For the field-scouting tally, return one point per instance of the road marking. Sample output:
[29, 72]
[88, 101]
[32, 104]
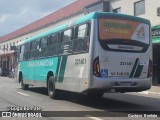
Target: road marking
[81, 72]
[148, 92]
[144, 92]
[22, 93]
[95, 118]
[154, 93]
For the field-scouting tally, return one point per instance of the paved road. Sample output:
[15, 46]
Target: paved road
[11, 95]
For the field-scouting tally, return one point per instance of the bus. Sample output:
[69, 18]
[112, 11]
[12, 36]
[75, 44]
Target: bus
[97, 53]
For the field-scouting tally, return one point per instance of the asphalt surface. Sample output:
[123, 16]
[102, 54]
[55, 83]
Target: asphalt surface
[74, 106]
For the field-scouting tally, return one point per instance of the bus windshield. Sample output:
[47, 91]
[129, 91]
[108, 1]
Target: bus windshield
[124, 32]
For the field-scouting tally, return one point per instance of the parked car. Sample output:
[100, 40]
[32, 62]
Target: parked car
[5, 72]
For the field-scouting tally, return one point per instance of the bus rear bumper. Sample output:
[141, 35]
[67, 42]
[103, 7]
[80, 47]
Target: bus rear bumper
[121, 85]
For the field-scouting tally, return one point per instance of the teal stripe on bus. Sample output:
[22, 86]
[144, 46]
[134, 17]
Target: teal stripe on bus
[38, 69]
[56, 75]
[62, 65]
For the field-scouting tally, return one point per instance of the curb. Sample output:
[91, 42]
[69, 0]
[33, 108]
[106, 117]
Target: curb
[150, 93]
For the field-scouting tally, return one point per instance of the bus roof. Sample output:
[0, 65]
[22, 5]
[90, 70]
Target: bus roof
[85, 18]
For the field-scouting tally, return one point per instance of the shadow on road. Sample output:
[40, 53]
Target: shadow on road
[109, 102]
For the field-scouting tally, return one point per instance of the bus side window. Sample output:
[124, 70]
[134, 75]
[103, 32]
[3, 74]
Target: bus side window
[44, 42]
[67, 35]
[21, 53]
[81, 43]
[26, 51]
[43, 51]
[53, 44]
[53, 39]
[33, 48]
[67, 43]
[37, 47]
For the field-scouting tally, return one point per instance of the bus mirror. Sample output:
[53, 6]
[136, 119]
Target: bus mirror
[13, 48]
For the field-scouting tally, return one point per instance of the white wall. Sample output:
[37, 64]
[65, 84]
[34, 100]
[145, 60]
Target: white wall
[151, 11]
[127, 7]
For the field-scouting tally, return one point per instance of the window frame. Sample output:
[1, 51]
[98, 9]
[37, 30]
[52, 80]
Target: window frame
[71, 34]
[21, 53]
[57, 34]
[42, 39]
[31, 45]
[140, 8]
[38, 48]
[86, 29]
[62, 42]
[27, 50]
[87, 36]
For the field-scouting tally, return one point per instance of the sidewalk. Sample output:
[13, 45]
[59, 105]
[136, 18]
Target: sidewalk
[155, 90]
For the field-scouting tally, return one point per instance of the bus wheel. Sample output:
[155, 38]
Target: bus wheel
[95, 94]
[51, 87]
[24, 86]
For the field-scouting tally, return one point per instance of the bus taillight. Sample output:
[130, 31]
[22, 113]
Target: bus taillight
[96, 67]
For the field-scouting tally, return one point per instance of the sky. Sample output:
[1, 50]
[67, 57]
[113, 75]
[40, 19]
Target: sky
[15, 14]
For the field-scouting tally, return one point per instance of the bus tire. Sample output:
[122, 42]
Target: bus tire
[24, 86]
[51, 87]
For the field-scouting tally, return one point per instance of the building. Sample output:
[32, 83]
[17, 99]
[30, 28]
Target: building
[149, 9]
[61, 16]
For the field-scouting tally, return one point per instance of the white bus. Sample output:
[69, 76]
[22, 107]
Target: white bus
[97, 53]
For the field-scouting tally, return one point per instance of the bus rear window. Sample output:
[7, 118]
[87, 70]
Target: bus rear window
[121, 29]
